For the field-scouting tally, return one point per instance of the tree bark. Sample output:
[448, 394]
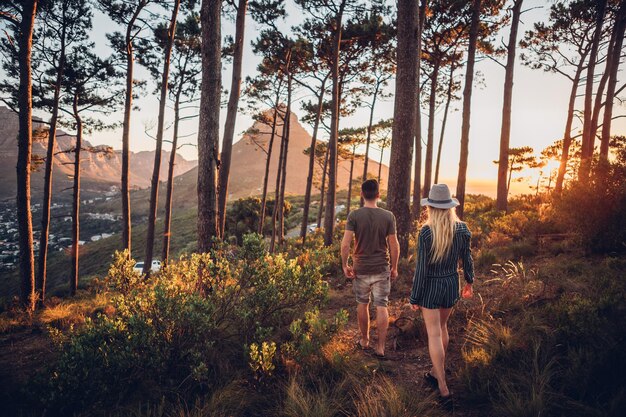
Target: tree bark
[309, 181]
[403, 130]
[369, 136]
[76, 200]
[380, 165]
[416, 207]
[508, 183]
[281, 212]
[320, 210]
[42, 261]
[128, 104]
[24, 150]
[505, 131]
[267, 170]
[231, 115]
[167, 224]
[156, 172]
[349, 200]
[208, 129]
[587, 148]
[329, 214]
[567, 134]
[279, 170]
[443, 123]
[598, 103]
[620, 28]
[467, 106]
[430, 143]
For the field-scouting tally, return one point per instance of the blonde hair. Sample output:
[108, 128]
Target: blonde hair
[442, 223]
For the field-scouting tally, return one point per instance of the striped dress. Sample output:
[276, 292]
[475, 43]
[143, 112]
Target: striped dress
[436, 285]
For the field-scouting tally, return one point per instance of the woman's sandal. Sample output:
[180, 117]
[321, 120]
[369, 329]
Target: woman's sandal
[431, 380]
[359, 346]
[446, 401]
[379, 356]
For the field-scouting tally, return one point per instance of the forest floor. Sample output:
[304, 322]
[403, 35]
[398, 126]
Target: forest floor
[26, 345]
[406, 354]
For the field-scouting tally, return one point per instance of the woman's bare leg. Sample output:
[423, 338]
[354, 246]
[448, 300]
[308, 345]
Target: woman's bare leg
[436, 350]
[444, 315]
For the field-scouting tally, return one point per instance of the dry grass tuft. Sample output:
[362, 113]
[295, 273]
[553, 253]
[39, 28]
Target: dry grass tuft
[382, 397]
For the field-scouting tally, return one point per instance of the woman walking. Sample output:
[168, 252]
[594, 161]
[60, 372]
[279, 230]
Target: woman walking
[442, 241]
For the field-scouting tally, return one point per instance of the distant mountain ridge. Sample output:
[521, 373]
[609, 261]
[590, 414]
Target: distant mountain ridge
[248, 166]
[99, 172]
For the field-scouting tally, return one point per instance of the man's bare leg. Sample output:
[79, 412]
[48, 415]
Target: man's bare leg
[363, 317]
[382, 323]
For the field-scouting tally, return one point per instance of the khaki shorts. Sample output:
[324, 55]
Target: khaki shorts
[376, 285]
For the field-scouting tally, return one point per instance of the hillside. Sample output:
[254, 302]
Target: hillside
[100, 172]
[248, 165]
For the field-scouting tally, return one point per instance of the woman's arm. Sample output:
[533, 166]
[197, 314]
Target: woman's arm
[420, 269]
[466, 256]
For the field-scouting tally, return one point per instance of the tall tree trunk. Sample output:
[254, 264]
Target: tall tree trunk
[309, 181]
[76, 200]
[349, 199]
[167, 224]
[369, 136]
[281, 213]
[24, 150]
[403, 130]
[598, 103]
[279, 170]
[416, 207]
[508, 183]
[329, 214]
[467, 106]
[432, 101]
[42, 260]
[128, 105]
[620, 28]
[380, 165]
[443, 123]
[231, 115]
[267, 170]
[567, 134]
[156, 172]
[320, 210]
[208, 129]
[505, 131]
[587, 148]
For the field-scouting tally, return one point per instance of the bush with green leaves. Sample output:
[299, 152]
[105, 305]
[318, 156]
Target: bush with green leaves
[184, 329]
[310, 334]
[243, 216]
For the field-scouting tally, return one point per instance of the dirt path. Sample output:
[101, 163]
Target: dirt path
[406, 347]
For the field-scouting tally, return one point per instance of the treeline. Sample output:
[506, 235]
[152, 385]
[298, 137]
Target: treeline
[341, 54]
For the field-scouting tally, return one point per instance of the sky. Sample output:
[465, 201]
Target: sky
[538, 117]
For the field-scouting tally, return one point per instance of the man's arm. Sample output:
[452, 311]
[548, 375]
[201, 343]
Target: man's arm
[394, 254]
[345, 253]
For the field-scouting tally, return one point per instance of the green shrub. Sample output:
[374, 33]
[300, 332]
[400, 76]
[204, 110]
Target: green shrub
[310, 334]
[520, 250]
[596, 210]
[485, 259]
[185, 329]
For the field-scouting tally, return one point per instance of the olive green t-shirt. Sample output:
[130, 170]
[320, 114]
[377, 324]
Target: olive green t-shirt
[371, 226]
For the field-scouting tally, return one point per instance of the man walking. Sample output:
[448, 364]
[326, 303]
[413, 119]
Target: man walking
[376, 247]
